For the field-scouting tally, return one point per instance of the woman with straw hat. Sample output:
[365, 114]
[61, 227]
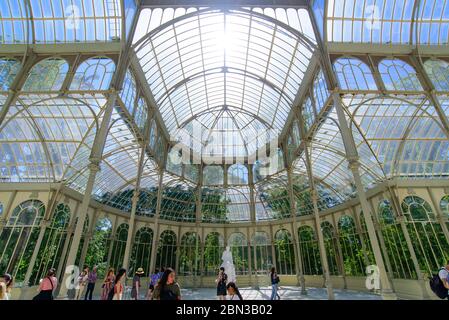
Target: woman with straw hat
[136, 284]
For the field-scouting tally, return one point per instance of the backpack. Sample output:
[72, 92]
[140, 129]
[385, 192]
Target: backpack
[438, 287]
[277, 279]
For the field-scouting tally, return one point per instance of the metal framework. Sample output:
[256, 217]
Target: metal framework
[153, 112]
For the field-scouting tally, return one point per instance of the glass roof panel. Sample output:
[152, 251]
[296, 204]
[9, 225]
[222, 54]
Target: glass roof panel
[62, 21]
[388, 21]
[230, 59]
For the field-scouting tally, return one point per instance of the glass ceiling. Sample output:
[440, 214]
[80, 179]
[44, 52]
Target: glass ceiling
[224, 82]
[215, 71]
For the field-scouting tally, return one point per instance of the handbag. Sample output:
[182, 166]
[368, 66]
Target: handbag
[45, 294]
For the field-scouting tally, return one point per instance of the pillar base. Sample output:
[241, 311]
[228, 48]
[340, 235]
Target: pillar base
[388, 295]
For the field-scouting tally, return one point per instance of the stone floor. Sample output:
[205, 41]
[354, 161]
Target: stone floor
[286, 293]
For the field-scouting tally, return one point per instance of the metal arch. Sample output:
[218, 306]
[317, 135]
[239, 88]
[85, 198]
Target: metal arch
[224, 70]
[412, 122]
[209, 110]
[304, 39]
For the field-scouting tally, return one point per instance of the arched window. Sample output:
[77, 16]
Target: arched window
[429, 242]
[351, 247]
[129, 92]
[237, 174]
[94, 74]
[178, 202]
[213, 249]
[98, 249]
[19, 236]
[166, 250]
[119, 245]
[214, 205]
[310, 252]
[308, 114]
[8, 71]
[444, 205]
[262, 254]
[239, 248]
[320, 92]
[354, 74]
[47, 75]
[395, 243]
[285, 254]
[213, 175]
[331, 245]
[438, 72]
[50, 251]
[141, 251]
[399, 75]
[190, 255]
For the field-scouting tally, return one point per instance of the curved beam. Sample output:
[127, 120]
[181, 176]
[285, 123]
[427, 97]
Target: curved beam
[304, 39]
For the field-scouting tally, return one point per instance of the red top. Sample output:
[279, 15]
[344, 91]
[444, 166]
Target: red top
[47, 285]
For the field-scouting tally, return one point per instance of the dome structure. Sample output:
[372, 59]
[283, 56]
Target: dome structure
[311, 136]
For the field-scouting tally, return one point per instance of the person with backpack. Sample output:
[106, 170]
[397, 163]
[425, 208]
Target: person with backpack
[442, 286]
[154, 278]
[167, 288]
[274, 278]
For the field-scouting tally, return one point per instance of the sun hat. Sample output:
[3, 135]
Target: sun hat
[140, 271]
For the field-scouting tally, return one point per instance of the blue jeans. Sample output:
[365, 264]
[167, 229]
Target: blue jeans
[274, 292]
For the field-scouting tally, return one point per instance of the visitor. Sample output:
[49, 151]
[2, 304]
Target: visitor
[154, 278]
[8, 281]
[444, 276]
[136, 284]
[221, 284]
[47, 286]
[233, 292]
[3, 295]
[118, 289]
[107, 284]
[91, 280]
[274, 278]
[82, 282]
[167, 288]
[161, 273]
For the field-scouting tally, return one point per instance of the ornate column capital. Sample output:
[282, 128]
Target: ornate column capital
[353, 163]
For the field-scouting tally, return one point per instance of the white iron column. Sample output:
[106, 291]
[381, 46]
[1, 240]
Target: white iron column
[354, 166]
[135, 199]
[94, 167]
[297, 247]
[155, 242]
[317, 220]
